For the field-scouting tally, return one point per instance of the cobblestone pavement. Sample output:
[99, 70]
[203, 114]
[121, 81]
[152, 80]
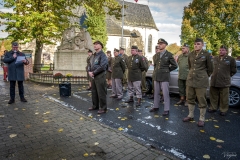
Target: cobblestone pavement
[44, 129]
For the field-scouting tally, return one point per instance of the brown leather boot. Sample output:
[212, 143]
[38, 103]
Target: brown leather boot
[138, 103]
[181, 102]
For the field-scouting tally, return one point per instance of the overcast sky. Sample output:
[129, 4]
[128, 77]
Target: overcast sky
[166, 13]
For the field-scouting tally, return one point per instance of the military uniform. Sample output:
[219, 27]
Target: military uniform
[118, 69]
[164, 63]
[135, 66]
[224, 69]
[182, 75]
[200, 69]
[125, 75]
[143, 82]
[109, 69]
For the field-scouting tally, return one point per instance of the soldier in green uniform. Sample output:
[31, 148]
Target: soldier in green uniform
[183, 73]
[152, 96]
[135, 66]
[143, 82]
[125, 57]
[118, 68]
[224, 69]
[88, 63]
[200, 69]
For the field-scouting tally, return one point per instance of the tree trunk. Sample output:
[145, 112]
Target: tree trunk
[37, 58]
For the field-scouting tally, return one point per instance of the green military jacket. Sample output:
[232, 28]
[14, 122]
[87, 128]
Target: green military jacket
[163, 66]
[125, 58]
[135, 66]
[200, 69]
[145, 60]
[183, 68]
[118, 67]
[223, 71]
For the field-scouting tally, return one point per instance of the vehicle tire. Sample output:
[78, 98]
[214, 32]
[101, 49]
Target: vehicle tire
[149, 85]
[234, 97]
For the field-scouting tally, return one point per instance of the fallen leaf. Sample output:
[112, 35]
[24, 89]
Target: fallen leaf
[117, 109]
[27, 126]
[94, 130]
[119, 117]
[9, 127]
[120, 129]
[219, 141]
[1, 116]
[122, 119]
[60, 130]
[37, 101]
[99, 115]
[45, 121]
[234, 112]
[206, 120]
[85, 154]
[81, 118]
[129, 126]
[215, 120]
[212, 138]
[71, 121]
[92, 154]
[166, 118]
[156, 116]
[12, 135]
[202, 131]
[90, 116]
[96, 143]
[36, 113]
[15, 109]
[176, 105]
[216, 126]
[23, 109]
[47, 112]
[227, 120]
[206, 156]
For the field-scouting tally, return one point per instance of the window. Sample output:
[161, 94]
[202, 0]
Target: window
[122, 43]
[150, 43]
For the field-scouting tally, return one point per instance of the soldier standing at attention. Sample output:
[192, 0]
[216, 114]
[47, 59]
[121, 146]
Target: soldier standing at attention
[97, 70]
[164, 63]
[88, 63]
[183, 73]
[125, 75]
[118, 68]
[109, 70]
[135, 66]
[200, 69]
[143, 82]
[224, 69]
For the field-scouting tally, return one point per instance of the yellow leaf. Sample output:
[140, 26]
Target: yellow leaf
[119, 117]
[129, 126]
[202, 131]
[37, 101]
[123, 119]
[212, 138]
[12, 135]
[47, 112]
[60, 130]
[92, 154]
[216, 126]
[71, 121]
[90, 116]
[120, 129]
[206, 120]
[219, 141]
[117, 109]
[45, 121]
[166, 118]
[36, 113]
[81, 118]
[156, 116]
[23, 109]
[1, 116]
[215, 120]
[96, 143]
[206, 156]
[85, 155]
[94, 130]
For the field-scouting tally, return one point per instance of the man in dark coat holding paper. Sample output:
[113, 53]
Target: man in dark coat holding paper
[16, 61]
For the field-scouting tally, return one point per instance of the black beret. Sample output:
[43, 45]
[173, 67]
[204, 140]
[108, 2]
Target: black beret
[161, 40]
[185, 45]
[198, 40]
[134, 47]
[14, 44]
[98, 42]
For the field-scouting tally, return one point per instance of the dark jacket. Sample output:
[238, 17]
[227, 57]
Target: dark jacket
[200, 69]
[98, 63]
[125, 58]
[118, 67]
[135, 65]
[145, 60]
[15, 70]
[88, 62]
[110, 59]
[223, 71]
[163, 66]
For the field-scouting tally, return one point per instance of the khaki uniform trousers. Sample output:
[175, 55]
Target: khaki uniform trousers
[220, 95]
[144, 87]
[182, 87]
[99, 91]
[165, 89]
[134, 87]
[200, 94]
[117, 89]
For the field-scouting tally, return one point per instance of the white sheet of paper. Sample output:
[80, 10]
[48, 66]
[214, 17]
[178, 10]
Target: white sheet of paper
[20, 59]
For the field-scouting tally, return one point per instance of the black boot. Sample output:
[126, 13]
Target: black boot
[129, 100]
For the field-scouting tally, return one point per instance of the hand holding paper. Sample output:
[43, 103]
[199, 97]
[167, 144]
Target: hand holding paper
[20, 59]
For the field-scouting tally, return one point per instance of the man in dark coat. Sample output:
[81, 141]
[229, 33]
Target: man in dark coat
[97, 70]
[16, 61]
[224, 69]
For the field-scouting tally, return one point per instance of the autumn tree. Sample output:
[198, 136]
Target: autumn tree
[173, 48]
[45, 20]
[217, 22]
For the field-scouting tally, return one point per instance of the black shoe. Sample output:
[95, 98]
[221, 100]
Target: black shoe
[23, 100]
[129, 100]
[153, 109]
[11, 101]
[212, 110]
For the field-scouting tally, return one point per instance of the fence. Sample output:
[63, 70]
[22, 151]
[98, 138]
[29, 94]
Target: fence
[44, 68]
[48, 78]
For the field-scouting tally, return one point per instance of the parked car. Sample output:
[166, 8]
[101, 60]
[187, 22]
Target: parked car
[234, 91]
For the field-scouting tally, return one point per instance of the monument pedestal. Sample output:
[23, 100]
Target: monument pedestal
[70, 61]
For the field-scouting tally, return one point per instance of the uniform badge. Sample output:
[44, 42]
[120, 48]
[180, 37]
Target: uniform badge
[136, 61]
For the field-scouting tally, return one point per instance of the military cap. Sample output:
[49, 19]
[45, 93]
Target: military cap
[225, 47]
[121, 48]
[109, 52]
[98, 42]
[198, 40]
[116, 50]
[185, 45]
[89, 51]
[134, 47]
[15, 44]
[161, 40]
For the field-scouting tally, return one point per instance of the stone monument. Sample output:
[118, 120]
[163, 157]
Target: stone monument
[71, 55]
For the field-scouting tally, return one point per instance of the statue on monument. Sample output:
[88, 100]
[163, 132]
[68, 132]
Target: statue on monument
[76, 39]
